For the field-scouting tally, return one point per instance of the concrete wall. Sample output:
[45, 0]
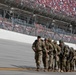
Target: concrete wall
[14, 36]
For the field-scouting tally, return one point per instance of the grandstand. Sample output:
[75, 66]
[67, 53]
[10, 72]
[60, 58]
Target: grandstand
[48, 18]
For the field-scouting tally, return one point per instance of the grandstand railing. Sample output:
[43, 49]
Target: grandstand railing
[34, 30]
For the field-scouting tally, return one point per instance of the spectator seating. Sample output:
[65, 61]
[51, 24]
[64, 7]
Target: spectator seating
[67, 7]
[64, 6]
[35, 30]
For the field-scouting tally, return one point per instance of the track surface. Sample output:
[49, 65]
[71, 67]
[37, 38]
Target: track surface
[18, 59]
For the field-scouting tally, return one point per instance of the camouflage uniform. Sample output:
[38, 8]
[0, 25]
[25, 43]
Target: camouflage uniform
[56, 53]
[75, 58]
[51, 48]
[45, 54]
[71, 59]
[37, 46]
[61, 55]
[65, 56]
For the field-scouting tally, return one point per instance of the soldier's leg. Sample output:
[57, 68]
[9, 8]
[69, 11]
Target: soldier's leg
[44, 60]
[75, 63]
[43, 57]
[72, 65]
[50, 62]
[61, 65]
[67, 66]
[36, 59]
[58, 62]
[47, 61]
[39, 58]
[54, 63]
[64, 65]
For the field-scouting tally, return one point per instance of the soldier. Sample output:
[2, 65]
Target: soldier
[71, 59]
[75, 57]
[51, 48]
[61, 44]
[45, 54]
[56, 53]
[37, 47]
[65, 56]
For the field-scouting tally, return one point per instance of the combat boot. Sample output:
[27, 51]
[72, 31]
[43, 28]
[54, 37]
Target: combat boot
[37, 69]
[45, 70]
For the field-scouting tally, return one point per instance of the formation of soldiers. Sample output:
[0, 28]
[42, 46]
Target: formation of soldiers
[55, 57]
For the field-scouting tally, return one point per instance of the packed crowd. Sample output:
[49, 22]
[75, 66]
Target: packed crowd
[36, 29]
[66, 7]
[55, 57]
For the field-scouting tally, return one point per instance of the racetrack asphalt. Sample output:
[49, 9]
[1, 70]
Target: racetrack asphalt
[18, 59]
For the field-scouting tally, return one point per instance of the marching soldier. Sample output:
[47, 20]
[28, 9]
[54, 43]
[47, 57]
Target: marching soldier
[61, 44]
[56, 53]
[75, 58]
[37, 47]
[51, 48]
[71, 59]
[54, 56]
[65, 56]
[45, 54]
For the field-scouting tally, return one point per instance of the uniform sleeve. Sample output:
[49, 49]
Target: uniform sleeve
[51, 47]
[34, 45]
[44, 47]
[58, 48]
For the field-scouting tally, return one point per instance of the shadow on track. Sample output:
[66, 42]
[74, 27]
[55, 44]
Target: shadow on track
[27, 67]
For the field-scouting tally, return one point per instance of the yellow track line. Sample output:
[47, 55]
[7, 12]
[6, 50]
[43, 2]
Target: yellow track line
[16, 69]
[12, 69]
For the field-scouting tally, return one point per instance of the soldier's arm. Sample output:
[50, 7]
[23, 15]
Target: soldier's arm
[51, 47]
[34, 46]
[59, 49]
[44, 47]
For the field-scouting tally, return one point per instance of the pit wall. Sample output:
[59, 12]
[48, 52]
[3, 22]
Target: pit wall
[14, 36]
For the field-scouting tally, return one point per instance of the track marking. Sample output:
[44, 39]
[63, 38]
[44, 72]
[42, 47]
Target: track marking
[12, 69]
[20, 69]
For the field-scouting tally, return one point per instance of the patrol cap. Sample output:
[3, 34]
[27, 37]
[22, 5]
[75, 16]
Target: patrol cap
[60, 41]
[49, 39]
[45, 39]
[38, 36]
